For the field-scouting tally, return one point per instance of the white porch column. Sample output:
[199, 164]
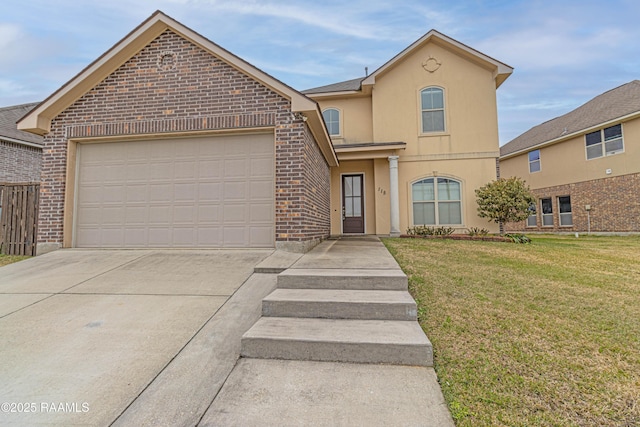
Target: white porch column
[393, 196]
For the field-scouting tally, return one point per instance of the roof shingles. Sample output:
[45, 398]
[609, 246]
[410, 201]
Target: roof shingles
[8, 118]
[348, 85]
[613, 104]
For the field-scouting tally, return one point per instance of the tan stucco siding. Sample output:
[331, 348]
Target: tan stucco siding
[471, 173]
[355, 119]
[566, 162]
[470, 104]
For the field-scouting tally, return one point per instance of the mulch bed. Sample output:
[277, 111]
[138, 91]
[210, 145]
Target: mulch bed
[460, 237]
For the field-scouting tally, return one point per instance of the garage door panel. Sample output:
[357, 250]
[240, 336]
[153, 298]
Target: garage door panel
[260, 236]
[209, 214]
[186, 169]
[134, 237]
[235, 236]
[210, 169]
[183, 236]
[198, 192]
[160, 193]
[260, 213]
[184, 215]
[210, 191]
[235, 190]
[209, 234]
[235, 214]
[261, 167]
[135, 193]
[235, 168]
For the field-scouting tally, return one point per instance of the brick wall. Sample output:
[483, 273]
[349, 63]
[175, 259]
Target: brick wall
[173, 85]
[19, 163]
[614, 202]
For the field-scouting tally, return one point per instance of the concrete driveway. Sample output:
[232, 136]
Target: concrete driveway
[130, 337]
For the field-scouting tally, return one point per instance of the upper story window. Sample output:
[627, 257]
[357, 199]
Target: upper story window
[534, 161]
[436, 201]
[432, 107]
[604, 142]
[332, 119]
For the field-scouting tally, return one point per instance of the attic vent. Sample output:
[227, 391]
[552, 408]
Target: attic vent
[167, 60]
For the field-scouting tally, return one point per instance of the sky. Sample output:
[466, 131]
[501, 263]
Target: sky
[564, 52]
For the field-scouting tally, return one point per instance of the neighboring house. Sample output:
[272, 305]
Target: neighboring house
[20, 152]
[584, 166]
[414, 139]
[168, 140]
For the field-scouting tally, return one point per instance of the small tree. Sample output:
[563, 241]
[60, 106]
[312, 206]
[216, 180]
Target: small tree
[504, 200]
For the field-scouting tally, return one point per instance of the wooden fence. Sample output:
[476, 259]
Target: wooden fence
[19, 218]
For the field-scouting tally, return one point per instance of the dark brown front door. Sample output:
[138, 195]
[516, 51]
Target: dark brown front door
[352, 204]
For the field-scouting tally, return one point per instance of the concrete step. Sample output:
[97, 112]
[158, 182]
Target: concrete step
[298, 278]
[338, 340]
[340, 304]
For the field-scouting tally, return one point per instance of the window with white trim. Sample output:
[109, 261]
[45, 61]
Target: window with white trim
[437, 201]
[547, 212]
[432, 108]
[604, 142]
[534, 161]
[564, 207]
[332, 119]
[532, 220]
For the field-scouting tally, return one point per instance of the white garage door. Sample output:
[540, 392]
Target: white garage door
[192, 192]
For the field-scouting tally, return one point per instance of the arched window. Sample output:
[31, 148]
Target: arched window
[437, 201]
[432, 105]
[332, 119]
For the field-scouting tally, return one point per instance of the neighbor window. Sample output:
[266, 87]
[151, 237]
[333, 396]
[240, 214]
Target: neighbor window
[534, 161]
[547, 212]
[432, 105]
[332, 119]
[604, 142]
[532, 220]
[436, 201]
[564, 207]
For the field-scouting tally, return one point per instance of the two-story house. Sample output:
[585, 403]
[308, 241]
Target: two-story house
[169, 140]
[583, 166]
[414, 139]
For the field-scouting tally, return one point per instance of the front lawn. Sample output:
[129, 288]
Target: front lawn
[540, 334]
[9, 259]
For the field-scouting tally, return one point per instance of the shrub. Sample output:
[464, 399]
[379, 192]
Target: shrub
[476, 231]
[518, 238]
[424, 230]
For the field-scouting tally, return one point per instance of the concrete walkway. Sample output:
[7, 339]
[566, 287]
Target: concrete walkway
[270, 392]
[152, 338]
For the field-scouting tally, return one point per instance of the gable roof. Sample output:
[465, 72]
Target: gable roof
[39, 119]
[8, 129]
[613, 105]
[501, 71]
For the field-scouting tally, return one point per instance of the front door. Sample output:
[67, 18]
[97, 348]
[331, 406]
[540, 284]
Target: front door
[352, 204]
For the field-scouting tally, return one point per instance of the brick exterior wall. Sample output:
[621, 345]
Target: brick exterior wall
[615, 206]
[173, 85]
[19, 163]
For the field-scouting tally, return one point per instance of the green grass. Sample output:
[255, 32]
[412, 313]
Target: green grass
[9, 259]
[545, 334]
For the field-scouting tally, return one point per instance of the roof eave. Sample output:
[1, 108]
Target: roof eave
[21, 142]
[334, 94]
